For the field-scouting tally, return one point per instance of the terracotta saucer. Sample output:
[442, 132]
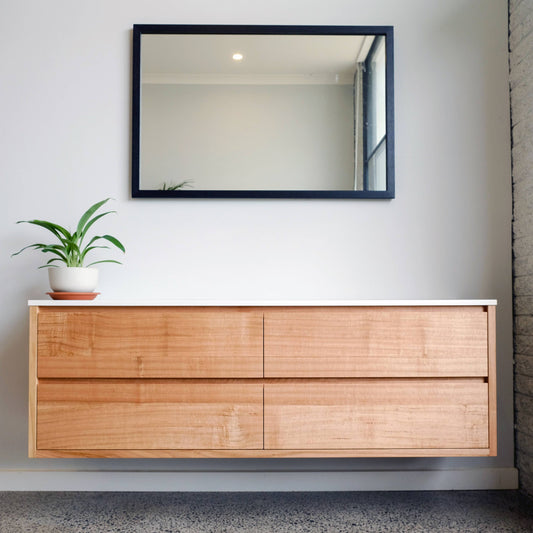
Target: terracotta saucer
[73, 295]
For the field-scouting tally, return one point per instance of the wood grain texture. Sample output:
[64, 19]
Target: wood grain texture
[148, 414]
[126, 342]
[377, 414]
[493, 407]
[376, 342]
[32, 384]
[431, 390]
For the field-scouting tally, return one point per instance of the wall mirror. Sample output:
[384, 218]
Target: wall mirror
[262, 111]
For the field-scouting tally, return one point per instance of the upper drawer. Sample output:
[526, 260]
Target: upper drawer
[376, 342]
[164, 342]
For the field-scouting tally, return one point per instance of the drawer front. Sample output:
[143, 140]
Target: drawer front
[376, 414]
[122, 342]
[148, 414]
[376, 342]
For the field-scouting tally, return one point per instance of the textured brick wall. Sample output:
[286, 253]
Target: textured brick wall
[521, 80]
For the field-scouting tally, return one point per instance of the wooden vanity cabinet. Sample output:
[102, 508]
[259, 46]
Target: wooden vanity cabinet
[255, 381]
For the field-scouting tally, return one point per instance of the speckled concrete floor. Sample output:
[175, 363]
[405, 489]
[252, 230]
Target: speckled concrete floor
[461, 511]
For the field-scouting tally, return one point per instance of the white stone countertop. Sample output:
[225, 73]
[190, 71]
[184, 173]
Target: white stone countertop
[254, 303]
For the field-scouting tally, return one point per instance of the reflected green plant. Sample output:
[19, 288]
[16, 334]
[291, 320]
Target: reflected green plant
[174, 187]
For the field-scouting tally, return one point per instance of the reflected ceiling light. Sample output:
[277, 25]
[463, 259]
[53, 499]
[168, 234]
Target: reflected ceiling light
[237, 56]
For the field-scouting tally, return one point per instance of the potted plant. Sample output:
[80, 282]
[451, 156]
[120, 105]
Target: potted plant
[67, 270]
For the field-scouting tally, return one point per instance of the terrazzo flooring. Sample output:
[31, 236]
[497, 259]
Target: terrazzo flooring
[132, 512]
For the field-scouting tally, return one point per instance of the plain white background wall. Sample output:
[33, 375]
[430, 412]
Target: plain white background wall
[65, 77]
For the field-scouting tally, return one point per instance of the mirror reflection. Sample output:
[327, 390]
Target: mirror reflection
[248, 112]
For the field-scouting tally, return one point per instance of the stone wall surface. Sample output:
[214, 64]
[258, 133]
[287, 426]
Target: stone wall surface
[521, 86]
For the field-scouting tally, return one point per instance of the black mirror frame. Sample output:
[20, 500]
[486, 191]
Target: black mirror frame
[140, 29]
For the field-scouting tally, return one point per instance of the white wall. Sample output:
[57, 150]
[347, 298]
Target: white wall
[248, 136]
[65, 75]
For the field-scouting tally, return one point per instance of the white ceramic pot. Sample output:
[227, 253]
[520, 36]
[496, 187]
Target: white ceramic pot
[73, 279]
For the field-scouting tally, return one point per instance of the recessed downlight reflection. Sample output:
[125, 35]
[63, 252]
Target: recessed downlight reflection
[237, 56]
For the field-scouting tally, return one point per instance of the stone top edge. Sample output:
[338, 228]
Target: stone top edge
[253, 303]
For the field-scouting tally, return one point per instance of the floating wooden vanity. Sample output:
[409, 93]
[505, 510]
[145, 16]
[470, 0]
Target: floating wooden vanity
[256, 379]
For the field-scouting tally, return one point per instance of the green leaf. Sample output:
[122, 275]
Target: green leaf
[87, 249]
[52, 260]
[110, 238]
[37, 246]
[56, 229]
[115, 241]
[105, 261]
[52, 248]
[91, 222]
[55, 251]
[49, 263]
[88, 214]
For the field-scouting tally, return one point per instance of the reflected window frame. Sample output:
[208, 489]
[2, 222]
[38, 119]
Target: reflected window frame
[163, 29]
[374, 147]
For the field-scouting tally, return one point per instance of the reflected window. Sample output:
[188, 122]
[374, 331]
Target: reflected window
[374, 101]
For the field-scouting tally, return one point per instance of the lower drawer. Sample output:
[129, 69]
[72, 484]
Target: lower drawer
[377, 414]
[148, 414]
